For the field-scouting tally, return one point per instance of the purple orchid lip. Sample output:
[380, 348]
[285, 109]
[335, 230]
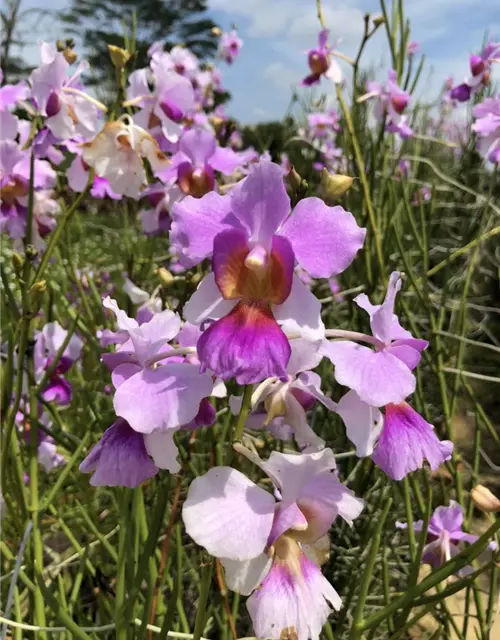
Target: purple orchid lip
[54, 104]
[195, 182]
[172, 111]
[318, 62]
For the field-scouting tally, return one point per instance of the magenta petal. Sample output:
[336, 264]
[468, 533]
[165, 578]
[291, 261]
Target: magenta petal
[196, 222]
[59, 391]
[260, 201]
[406, 441]
[247, 344]
[119, 458]
[324, 239]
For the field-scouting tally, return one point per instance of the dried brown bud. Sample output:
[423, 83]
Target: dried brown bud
[484, 499]
[216, 31]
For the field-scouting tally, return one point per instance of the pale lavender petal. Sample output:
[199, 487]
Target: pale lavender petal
[198, 145]
[123, 372]
[164, 398]
[196, 222]
[296, 417]
[207, 302]
[324, 239]
[305, 355]
[406, 441]
[119, 459]
[292, 471]
[225, 160]
[381, 320]
[228, 514]
[310, 383]
[123, 322]
[408, 351]
[378, 378]
[244, 576]
[260, 202]
[449, 518]
[161, 447]
[363, 423]
[301, 312]
[324, 498]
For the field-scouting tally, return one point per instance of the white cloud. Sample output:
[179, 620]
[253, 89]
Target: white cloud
[281, 75]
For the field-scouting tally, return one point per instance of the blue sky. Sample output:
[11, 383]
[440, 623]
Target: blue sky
[277, 34]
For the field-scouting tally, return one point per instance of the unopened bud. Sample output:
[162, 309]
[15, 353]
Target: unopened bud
[17, 262]
[378, 21]
[484, 499]
[294, 179]
[60, 45]
[165, 277]
[31, 252]
[217, 123]
[334, 185]
[216, 31]
[119, 57]
[70, 56]
[196, 278]
[38, 287]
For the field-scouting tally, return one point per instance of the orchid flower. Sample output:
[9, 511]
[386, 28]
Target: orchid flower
[254, 243]
[480, 66]
[163, 109]
[383, 375]
[399, 440]
[10, 96]
[230, 46]
[443, 534]
[284, 404]
[321, 63]
[156, 219]
[116, 154]
[68, 110]
[269, 547]
[152, 397]
[198, 158]
[48, 342]
[391, 104]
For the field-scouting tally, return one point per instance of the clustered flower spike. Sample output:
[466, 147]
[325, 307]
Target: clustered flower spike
[391, 103]
[444, 533]
[252, 319]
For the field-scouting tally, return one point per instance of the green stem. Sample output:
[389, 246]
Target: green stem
[364, 182]
[358, 624]
[244, 411]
